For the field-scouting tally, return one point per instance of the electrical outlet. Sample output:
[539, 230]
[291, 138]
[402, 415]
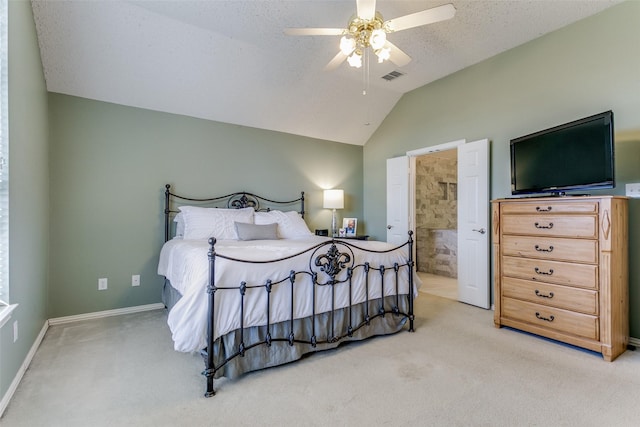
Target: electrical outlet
[102, 284]
[135, 280]
[632, 190]
[15, 331]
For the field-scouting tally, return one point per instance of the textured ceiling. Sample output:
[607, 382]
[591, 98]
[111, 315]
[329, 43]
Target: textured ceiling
[229, 61]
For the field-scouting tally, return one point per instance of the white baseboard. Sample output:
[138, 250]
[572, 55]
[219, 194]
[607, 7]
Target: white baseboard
[634, 341]
[59, 321]
[107, 313]
[23, 368]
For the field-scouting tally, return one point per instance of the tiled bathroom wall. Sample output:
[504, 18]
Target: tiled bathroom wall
[436, 215]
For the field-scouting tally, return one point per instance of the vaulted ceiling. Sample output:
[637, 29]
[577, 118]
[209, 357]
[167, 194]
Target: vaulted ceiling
[229, 61]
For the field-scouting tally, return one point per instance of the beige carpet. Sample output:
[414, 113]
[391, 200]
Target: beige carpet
[455, 370]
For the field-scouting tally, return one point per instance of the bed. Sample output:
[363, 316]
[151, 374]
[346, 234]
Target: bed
[249, 286]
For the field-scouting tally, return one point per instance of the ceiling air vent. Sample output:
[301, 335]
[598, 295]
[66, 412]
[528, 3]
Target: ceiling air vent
[392, 75]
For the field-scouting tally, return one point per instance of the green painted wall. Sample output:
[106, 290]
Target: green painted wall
[583, 69]
[29, 192]
[109, 165]
[86, 199]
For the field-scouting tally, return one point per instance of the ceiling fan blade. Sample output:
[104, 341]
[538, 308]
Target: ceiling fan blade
[429, 16]
[314, 31]
[366, 9]
[335, 62]
[396, 55]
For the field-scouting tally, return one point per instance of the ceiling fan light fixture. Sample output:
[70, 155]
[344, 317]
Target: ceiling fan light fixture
[383, 54]
[355, 60]
[347, 45]
[368, 29]
[378, 39]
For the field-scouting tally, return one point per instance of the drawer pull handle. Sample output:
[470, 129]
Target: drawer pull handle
[546, 273]
[550, 226]
[541, 295]
[546, 319]
[539, 249]
[547, 209]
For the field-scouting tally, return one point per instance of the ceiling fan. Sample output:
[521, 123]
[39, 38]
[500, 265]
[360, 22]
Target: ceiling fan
[369, 29]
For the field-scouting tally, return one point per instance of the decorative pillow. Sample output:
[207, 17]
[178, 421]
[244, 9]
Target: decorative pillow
[290, 224]
[203, 223]
[257, 231]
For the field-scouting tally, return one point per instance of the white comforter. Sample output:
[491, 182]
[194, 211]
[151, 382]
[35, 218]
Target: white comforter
[185, 264]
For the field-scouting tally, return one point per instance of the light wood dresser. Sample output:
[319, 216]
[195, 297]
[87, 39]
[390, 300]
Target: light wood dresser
[561, 269]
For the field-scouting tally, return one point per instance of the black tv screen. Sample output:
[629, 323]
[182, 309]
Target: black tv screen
[574, 156]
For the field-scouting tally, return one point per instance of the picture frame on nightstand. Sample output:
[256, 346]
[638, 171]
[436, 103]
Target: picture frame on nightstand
[350, 226]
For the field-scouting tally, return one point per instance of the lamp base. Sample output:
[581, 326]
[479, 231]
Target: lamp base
[334, 225]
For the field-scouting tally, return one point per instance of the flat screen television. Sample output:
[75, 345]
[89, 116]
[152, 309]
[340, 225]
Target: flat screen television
[574, 156]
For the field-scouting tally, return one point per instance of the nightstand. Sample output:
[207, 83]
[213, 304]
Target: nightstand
[356, 237]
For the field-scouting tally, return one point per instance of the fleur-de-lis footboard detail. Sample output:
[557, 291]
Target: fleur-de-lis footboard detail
[333, 262]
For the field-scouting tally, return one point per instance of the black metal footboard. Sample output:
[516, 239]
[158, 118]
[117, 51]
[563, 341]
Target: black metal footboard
[332, 269]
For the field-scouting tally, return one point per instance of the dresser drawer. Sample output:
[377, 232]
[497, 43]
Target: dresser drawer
[561, 273]
[554, 249]
[568, 298]
[550, 207]
[582, 226]
[570, 322]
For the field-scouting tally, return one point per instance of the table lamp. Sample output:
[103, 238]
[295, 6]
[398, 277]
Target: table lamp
[334, 199]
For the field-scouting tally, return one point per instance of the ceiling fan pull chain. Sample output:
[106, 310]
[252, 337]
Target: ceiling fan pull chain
[365, 74]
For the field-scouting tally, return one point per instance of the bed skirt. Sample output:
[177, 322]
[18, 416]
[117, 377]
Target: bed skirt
[170, 295]
[259, 355]
[282, 351]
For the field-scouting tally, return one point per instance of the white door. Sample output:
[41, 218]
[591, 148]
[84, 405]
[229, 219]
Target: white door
[473, 223]
[398, 200]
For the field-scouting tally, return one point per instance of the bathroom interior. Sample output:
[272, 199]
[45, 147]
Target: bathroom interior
[437, 222]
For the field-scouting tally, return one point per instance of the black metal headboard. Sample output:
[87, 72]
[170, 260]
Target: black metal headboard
[238, 200]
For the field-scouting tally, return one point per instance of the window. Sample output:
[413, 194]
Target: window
[4, 158]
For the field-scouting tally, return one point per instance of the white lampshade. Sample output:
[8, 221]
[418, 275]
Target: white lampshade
[383, 54]
[347, 45]
[333, 199]
[355, 60]
[378, 39]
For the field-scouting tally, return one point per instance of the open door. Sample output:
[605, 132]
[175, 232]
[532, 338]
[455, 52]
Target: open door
[397, 200]
[473, 213]
[473, 223]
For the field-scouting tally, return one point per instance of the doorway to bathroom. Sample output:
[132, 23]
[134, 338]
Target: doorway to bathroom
[472, 216]
[436, 222]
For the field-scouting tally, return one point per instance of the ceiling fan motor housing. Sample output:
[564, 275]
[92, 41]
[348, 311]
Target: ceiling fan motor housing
[364, 33]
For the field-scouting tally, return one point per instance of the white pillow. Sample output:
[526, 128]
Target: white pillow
[290, 224]
[203, 223]
[179, 220]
